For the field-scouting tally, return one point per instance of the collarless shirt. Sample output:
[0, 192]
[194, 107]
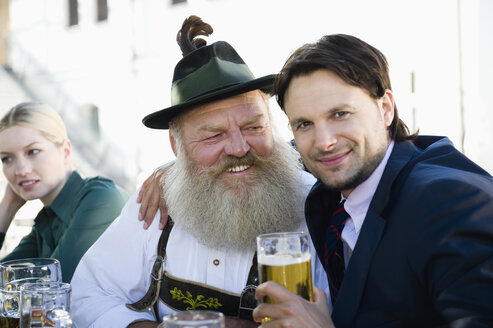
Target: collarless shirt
[80, 213]
[357, 205]
[117, 269]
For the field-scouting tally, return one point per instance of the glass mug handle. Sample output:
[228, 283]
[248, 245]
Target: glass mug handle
[60, 318]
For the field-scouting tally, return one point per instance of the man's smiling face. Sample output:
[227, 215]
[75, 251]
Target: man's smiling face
[340, 131]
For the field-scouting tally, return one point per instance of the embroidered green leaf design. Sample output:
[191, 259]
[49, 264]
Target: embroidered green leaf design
[199, 301]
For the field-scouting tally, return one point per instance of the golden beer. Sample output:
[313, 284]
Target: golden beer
[285, 258]
[295, 274]
[9, 322]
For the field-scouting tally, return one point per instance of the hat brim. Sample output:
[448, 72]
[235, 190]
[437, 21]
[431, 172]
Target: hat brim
[161, 118]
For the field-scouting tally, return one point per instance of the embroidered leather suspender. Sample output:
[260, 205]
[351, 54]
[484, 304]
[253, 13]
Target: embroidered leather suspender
[180, 294]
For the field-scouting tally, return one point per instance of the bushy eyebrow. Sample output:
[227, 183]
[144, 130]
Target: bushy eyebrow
[252, 119]
[214, 128]
[210, 128]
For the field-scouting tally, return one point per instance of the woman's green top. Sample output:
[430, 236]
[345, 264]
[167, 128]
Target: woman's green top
[66, 229]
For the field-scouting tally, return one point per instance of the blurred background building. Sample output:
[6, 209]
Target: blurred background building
[105, 64]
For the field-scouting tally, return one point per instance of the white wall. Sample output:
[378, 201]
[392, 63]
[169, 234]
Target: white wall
[125, 65]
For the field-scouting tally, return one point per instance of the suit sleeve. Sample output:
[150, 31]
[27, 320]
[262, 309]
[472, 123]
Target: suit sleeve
[320, 277]
[453, 249]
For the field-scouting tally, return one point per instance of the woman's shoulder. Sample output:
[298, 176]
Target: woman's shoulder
[102, 187]
[98, 200]
[93, 194]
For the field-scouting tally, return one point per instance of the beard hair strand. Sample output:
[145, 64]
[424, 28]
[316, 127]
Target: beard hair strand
[270, 199]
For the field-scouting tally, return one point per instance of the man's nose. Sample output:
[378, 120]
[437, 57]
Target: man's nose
[325, 138]
[237, 144]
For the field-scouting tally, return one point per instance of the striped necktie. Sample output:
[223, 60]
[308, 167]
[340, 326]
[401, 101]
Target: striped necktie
[334, 256]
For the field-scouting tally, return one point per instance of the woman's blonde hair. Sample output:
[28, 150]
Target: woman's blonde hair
[37, 116]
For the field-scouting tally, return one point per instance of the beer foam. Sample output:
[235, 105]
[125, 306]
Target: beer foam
[282, 259]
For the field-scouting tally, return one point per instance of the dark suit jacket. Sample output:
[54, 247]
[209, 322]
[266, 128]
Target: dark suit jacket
[424, 256]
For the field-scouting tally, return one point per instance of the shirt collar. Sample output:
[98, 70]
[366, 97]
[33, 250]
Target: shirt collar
[63, 205]
[359, 199]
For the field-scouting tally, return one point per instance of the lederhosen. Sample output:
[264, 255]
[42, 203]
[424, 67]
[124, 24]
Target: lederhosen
[180, 294]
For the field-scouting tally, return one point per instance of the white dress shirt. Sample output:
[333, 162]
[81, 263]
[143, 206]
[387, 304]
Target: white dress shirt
[116, 270]
[357, 205]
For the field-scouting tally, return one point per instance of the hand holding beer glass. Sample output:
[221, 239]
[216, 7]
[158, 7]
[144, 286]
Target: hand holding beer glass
[286, 259]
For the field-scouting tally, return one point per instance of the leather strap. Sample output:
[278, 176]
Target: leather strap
[247, 297]
[183, 295]
[180, 294]
[152, 295]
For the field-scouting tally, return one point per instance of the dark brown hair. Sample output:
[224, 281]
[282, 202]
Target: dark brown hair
[353, 60]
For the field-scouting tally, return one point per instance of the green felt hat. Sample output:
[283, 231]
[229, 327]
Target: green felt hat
[206, 74]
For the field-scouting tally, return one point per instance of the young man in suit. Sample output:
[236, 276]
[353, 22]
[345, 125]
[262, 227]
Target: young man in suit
[414, 246]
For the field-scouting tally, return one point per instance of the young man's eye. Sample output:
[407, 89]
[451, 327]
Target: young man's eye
[303, 125]
[6, 159]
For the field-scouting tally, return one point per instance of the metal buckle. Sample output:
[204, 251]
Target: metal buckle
[158, 269]
[247, 302]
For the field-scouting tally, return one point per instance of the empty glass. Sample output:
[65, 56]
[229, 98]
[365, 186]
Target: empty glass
[10, 302]
[43, 269]
[45, 304]
[15, 273]
[194, 319]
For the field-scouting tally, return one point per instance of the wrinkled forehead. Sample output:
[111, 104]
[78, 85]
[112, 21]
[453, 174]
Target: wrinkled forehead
[248, 103]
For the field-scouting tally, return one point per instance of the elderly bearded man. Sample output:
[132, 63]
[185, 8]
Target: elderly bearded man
[232, 180]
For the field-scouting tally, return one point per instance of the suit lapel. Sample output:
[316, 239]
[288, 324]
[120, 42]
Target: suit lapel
[372, 230]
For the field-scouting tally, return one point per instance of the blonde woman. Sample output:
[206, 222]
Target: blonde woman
[36, 159]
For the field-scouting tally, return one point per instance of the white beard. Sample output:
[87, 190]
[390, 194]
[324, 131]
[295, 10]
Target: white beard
[222, 216]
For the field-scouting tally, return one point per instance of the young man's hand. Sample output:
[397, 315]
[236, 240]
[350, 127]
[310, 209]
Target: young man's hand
[151, 197]
[291, 310]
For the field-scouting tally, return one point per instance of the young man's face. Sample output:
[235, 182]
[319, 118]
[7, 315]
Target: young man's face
[340, 131]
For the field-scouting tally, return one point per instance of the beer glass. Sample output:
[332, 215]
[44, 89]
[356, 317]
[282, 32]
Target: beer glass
[285, 258]
[45, 304]
[9, 308]
[10, 300]
[15, 273]
[43, 269]
[194, 319]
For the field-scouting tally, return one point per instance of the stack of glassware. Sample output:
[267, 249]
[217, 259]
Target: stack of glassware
[32, 294]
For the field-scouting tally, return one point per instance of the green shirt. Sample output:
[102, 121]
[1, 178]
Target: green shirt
[66, 229]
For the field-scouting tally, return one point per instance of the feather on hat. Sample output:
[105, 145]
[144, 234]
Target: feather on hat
[205, 73]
